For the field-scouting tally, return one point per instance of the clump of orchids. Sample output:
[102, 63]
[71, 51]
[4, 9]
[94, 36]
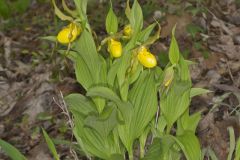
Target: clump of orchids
[69, 33]
[121, 107]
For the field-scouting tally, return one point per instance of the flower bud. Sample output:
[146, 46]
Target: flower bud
[168, 78]
[68, 34]
[127, 30]
[115, 48]
[146, 58]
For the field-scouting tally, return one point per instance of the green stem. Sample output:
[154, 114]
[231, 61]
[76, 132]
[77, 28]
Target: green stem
[142, 152]
[130, 154]
[169, 129]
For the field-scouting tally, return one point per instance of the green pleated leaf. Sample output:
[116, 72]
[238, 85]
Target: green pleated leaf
[116, 157]
[188, 122]
[144, 35]
[86, 48]
[161, 125]
[190, 146]
[11, 151]
[136, 17]
[142, 140]
[103, 92]
[175, 102]
[111, 22]
[112, 73]
[124, 63]
[51, 145]
[160, 149]
[82, 71]
[93, 142]
[143, 96]
[183, 69]
[198, 91]
[174, 49]
[80, 104]
[106, 93]
[103, 127]
[81, 6]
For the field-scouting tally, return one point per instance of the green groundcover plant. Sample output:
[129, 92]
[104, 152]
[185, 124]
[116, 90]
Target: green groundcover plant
[132, 109]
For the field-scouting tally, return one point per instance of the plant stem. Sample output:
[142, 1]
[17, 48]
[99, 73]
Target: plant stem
[169, 129]
[142, 152]
[130, 154]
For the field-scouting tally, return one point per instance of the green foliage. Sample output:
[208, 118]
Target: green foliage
[193, 29]
[11, 151]
[4, 9]
[237, 151]
[111, 22]
[174, 49]
[8, 8]
[120, 107]
[232, 143]
[51, 145]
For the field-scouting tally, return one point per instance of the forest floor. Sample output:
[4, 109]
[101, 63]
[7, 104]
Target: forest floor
[33, 76]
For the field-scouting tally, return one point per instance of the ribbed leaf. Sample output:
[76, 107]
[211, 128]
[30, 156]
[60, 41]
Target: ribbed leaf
[81, 6]
[103, 127]
[188, 122]
[175, 102]
[112, 73]
[11, 151]
[124, 63]
[111, 22]
[159, 149]
[144, 99]
[91, 141]
[80, 104]
[198, 91]
[86, 48]
[143, 96]
[104, 92]
[144, 35]
[136, 17]
[190, 145]
[81, 68]
[174, 49]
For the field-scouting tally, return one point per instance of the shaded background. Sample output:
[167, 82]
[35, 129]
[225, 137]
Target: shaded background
[32, 73]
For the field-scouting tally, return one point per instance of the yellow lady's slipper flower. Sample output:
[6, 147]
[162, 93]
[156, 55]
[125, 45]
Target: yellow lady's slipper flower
[115, 48]
[146, 58]
[127, 30]
[68, 34]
